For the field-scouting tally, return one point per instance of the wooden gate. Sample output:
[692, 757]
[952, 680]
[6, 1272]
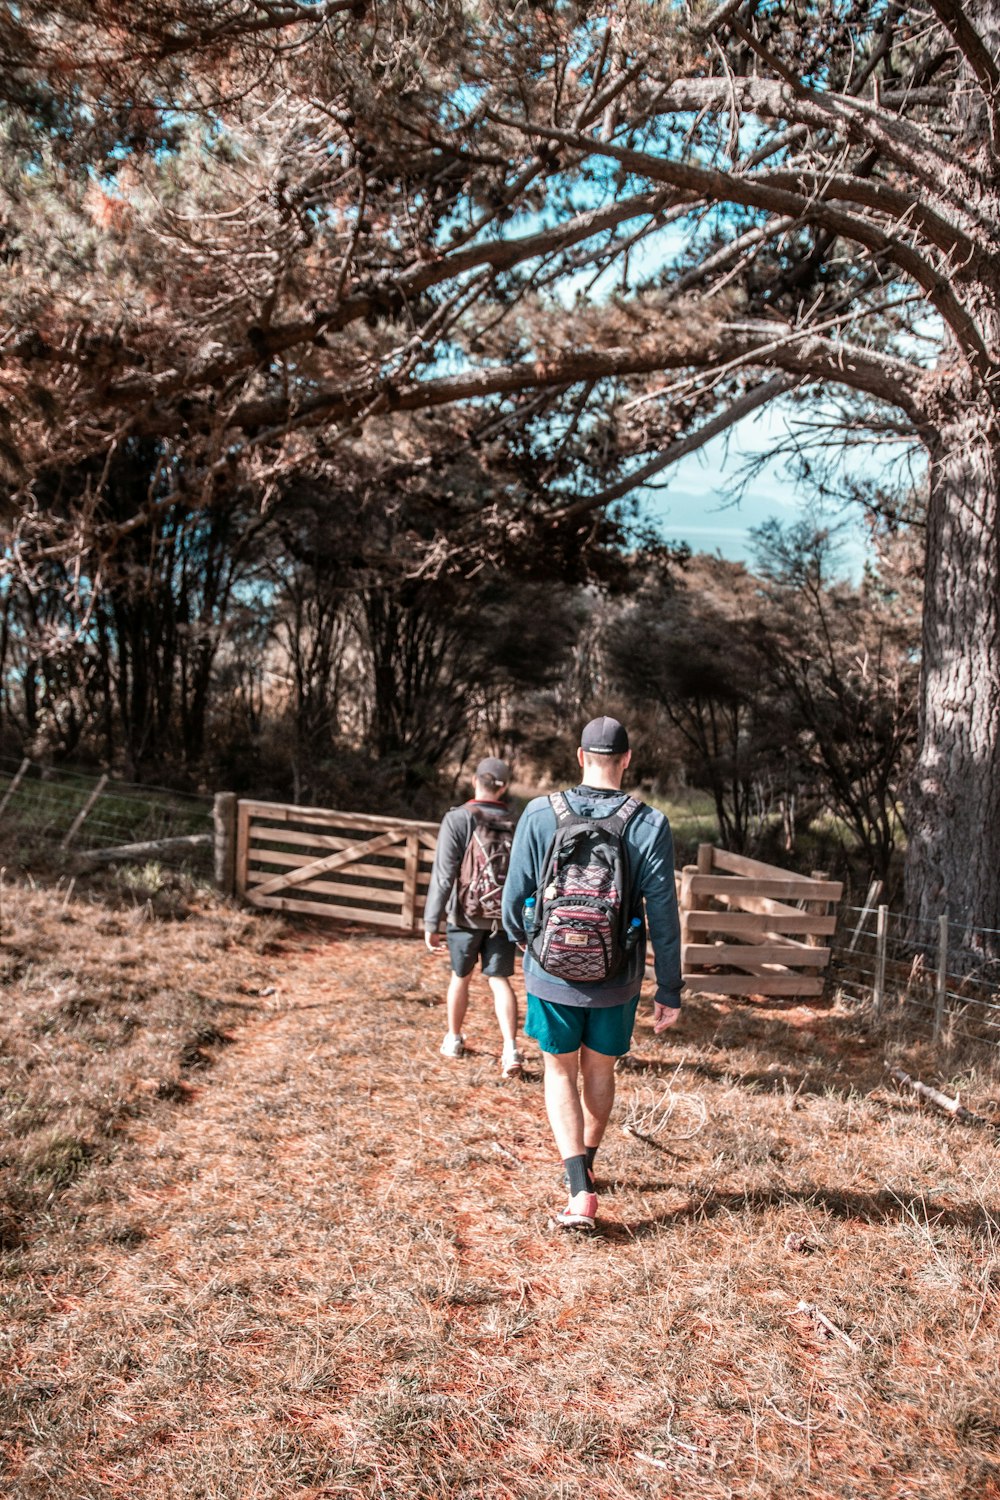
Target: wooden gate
[748, 928]
[323, 863]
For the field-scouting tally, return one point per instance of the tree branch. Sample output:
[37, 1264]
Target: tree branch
[775, 196]
[954, 17]
[501, 255]
[751, 401]
[768, 345]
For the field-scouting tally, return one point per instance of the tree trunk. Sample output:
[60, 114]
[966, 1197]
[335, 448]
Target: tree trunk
[953, 854]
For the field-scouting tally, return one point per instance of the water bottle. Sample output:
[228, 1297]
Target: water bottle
[529, 913]
[632, 933]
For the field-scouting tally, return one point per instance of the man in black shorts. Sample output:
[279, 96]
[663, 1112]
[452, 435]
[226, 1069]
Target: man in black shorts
[470, 937]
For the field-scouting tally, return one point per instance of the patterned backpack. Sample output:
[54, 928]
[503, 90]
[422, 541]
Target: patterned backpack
[582, 907]
[484, 865]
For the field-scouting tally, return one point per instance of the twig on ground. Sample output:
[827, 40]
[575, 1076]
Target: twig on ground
[838, 1333]
[503, 1151]
[953, 1107]
[792, 1421]
[648, 1140]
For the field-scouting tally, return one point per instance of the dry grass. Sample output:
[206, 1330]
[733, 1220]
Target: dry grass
[321, 1267]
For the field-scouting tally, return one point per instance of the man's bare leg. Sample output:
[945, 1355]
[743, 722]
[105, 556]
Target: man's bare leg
[505, 1005]
[598, 1074]
[578, 1122]
[569, 1118]
[457, 1002]
[562, 1102]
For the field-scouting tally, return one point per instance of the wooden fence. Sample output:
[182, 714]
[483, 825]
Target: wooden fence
[748, 928]
[322, 863]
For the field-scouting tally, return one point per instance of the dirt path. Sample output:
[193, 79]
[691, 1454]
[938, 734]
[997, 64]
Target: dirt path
[328, 1272]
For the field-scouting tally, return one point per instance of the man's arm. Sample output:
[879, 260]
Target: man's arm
[659, 891]
[451, 841]
[522, 877]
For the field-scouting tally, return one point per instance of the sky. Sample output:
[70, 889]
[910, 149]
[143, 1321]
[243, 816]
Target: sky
[696, 503]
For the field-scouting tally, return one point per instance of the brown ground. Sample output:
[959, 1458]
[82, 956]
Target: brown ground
[315, 1261]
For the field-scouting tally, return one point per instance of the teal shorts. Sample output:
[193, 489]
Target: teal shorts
[566, 1028]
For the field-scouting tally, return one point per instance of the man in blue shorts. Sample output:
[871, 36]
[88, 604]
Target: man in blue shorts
[473, 937]
[582, 1027]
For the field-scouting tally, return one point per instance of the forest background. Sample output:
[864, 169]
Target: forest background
[338, 336]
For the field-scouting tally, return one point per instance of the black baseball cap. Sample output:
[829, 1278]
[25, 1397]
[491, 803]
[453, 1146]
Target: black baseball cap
[498, 769]
[604, 736]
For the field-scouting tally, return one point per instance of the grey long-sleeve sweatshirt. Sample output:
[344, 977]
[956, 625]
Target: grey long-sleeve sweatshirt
[453, 838]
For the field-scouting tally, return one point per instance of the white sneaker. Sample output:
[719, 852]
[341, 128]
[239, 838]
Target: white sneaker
[453, 1045]
[511, 1062]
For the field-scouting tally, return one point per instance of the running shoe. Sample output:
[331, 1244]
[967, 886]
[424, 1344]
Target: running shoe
[511, 1061]
[579, 1213]
[453, 1045]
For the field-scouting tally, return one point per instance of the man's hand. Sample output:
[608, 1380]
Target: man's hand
[433, 940]
[664, 1016]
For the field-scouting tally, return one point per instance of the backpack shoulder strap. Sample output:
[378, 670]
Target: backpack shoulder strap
[564, 813]
[627, 811]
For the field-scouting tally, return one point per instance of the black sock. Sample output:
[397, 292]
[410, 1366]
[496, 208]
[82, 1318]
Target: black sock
[578, 1175]
[591, 1153]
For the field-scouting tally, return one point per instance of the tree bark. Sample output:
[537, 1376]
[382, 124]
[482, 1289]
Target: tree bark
[953, 854]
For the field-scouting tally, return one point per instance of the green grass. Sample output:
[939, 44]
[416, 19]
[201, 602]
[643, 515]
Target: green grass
[692, 820]
[42, 810]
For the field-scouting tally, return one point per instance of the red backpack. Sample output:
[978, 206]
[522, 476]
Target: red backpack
[484, 865]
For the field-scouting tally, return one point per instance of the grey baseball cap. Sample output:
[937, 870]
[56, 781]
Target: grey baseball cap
[498, 769]
[604, 736]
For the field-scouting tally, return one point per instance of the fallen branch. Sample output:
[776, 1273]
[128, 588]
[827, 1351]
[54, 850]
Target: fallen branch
[503, 1151]
[646, 1458]
[953, 1107]
[150, 849]
[648, 1140]
[821, 1318]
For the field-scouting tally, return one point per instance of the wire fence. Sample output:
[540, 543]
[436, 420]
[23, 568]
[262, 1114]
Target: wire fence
[936, 975]
[79, 812]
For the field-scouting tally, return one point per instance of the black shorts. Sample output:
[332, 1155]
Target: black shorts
[495, 950]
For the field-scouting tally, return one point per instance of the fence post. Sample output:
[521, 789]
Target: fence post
[224, 819]
[881, 935]
[15, 783]
[942, 975]
[242, 849]
[821, 908]
[408, 916]
[77, 822]
[705, 853]
[685, 903]
[874, 892]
